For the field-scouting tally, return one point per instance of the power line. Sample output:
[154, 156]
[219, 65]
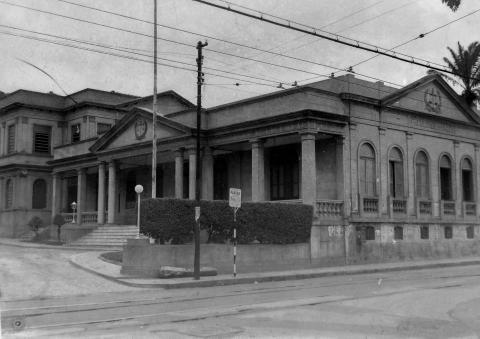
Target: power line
[420, 36]
[330, 36]
[183, 68]
[129, 57]
[135, 53]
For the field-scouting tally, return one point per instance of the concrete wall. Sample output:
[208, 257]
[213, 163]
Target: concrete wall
[145, 258]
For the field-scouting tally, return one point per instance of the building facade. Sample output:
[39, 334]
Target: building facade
[376, 162]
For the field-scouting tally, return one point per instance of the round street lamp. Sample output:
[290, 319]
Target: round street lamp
[74, 208]
[138, 190]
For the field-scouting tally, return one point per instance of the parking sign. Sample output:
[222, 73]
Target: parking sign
[235, 199]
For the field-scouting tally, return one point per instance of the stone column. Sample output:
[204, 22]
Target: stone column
[477, 177]
[410, 175]
[457, 179]
[179, 174]
[207, 174]
[56, 187]
[112, 191]
[309, 169]
[3, 148]
[192, 173]
[352, 161]
[2, 193]
[383, 206]
[81, 190]
[258, 170]
[101, 194]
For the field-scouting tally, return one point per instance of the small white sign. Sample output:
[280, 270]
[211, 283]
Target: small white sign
[235, 199]
[197, 213]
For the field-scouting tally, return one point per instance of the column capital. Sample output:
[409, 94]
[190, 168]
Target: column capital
[381, 130]
[207, 150]
[409, 135]
[340, 139]
[307, 135]
[456, 143]
[476, 147]
[191, 149]
[81, 170]
[179, 152]
[101, 163]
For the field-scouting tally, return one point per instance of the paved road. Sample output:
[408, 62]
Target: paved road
[27, 273]
[435, 303]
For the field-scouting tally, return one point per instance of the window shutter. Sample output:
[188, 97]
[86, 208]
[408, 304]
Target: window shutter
[11, 139]
[41, 139]
[399, 180]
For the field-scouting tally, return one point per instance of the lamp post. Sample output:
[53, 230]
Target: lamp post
[74, 208]
[138, 190]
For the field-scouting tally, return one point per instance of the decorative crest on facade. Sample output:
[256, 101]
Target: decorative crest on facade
[433, 100]
[140, 128]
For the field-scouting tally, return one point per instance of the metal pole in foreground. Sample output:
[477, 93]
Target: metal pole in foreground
[154, 136]
[196, 259]
[235, 242]
[138, 190]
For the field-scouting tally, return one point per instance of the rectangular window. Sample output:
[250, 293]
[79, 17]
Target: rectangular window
[41, 139]
[424, 232]
[398, 233]
[467, 184]
[446, 183]
[11, 139]
[470, 232]
[422, 181]
[396, 179]
[448, 233]
[103, 128]
[75, 133]
[367, 176]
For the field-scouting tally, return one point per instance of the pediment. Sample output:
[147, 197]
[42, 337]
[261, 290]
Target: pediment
[433, 96]
[136, 128]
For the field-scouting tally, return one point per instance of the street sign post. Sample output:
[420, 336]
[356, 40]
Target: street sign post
[235, 201]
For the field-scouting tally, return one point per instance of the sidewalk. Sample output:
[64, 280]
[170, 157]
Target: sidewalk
[90, 262]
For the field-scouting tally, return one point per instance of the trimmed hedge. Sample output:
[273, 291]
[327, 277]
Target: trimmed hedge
[172, 220]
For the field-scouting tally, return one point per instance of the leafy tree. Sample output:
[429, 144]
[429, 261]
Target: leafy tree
[465, 63]
[59, 221]
[453, 4]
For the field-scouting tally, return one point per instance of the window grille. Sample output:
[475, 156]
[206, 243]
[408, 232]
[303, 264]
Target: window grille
[398, 233]
[370, 233]
[103, 128]
[41, 139]
[448, 233]
[9, 194]
[424, 232]
[470, 232]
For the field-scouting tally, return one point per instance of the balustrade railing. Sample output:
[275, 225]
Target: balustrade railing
[68, 217]
[424, 207]
[89, 217]
[399, 206]
[369, 205]
[329, 209]
[448, 208]
[469, 209]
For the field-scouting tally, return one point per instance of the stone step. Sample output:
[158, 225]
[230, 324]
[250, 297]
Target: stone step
[108, 235]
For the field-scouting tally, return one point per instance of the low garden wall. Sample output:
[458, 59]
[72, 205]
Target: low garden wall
[142, 258]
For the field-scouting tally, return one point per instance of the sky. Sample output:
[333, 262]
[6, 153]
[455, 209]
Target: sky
[384, 23]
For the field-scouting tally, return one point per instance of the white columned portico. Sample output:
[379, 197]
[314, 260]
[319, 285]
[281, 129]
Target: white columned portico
[101, 194]
[179, 174]
[112, 191]
[192, 173]
[309, 169]
[81, 190]
[207, 174]
[258, 170]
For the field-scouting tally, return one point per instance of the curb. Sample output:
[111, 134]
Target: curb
[53, 247]
[274, 276]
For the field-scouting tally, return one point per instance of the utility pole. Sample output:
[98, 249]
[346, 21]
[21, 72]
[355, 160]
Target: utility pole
[154, 126]
[196, 263]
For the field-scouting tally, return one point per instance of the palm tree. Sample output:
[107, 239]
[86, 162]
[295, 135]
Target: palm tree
[465, 64]
[453, 4]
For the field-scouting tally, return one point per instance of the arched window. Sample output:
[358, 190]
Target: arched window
[366, 170]
[8, 194]
[467, 180]
[395, 161]
[39, 195]
[422, 179]
[446, 178]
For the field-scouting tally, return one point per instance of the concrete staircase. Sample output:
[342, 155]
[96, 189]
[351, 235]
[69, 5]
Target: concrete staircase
[108, 236]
